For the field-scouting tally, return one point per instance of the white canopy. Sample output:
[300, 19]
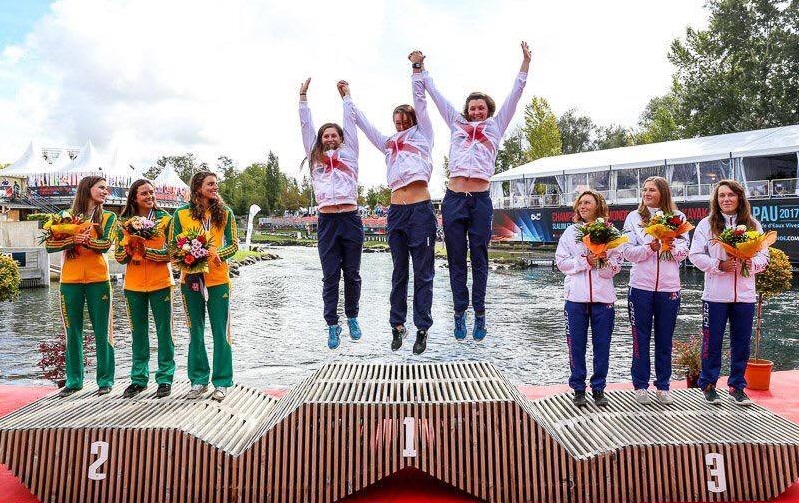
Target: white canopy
[32, 162]
[88, 161]
[169, 178]
[744, 144]
[119, 166]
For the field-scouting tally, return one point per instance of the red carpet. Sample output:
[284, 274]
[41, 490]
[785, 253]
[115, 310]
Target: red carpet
[413, 487]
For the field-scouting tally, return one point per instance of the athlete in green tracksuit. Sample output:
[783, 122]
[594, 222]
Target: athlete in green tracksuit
[207, 211]
[85, 281]
[148, 282]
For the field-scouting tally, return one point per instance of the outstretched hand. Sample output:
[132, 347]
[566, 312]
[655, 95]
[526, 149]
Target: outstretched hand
[527, 56]
[304, 87]
[343, 88]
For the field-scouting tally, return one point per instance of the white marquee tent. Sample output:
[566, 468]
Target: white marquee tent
[32, 162]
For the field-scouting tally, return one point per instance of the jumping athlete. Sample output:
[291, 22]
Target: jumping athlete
[654, 294]
[466, 210]
[148, 282]
[206, 210]
[411, 218]
[333, 158]
[728, 295]
[85, 280]
[589, 296]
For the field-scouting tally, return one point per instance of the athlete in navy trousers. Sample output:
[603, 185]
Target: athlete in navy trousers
[333, 158]
[412, 221]
[466, 210]
[590, 298]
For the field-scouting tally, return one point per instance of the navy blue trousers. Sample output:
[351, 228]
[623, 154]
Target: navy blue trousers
[601, 317]
[467, 225]
[340, 244]
[714, 323]
[646, 308]
[412, 234]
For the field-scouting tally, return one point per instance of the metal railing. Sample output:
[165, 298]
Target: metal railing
[755, 189]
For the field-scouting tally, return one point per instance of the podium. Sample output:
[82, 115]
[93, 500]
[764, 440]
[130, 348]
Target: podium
[349, 426]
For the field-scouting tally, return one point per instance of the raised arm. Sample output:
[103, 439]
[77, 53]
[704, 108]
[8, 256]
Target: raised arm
[348, 125]
[508, 108]
[445, 108]
[419, 99]
[306, 121]
[377, 138]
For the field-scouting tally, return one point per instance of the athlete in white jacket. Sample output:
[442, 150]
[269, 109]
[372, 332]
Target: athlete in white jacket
[654, 293]
[590, 296]
[333, 158]
[727, 295]
[412, 222]
[467, 209]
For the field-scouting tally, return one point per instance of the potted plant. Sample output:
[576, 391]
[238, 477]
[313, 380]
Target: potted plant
[688, 359]
[53, 357]
[9, 278]
[775, 280]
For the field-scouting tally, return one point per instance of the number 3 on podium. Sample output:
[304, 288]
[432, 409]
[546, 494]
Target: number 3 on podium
[717, 478]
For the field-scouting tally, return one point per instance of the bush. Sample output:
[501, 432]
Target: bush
[39, 217]
[688, 355]
[9, 278]
[53, 357]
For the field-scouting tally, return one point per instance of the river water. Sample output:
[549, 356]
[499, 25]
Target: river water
[280, 336]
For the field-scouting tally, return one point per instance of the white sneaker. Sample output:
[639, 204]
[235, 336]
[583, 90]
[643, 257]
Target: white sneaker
[642, 397]
[197, 391]
[219, 394]
[664, 397]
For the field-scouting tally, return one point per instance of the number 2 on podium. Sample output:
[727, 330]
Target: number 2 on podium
[101, 449]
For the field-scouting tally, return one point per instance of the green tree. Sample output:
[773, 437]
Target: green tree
[512, 153]
[540, 129]
[380, 194]
[742, 72]
[185, 166]
[659, 121]
[576, 132]
[445, 165]
[612, 136]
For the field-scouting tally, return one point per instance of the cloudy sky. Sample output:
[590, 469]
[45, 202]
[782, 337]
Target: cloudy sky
[220, 77]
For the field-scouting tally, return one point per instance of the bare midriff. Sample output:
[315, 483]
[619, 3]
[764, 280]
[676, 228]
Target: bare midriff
[414, 192]
[466, 184]
[337, 208]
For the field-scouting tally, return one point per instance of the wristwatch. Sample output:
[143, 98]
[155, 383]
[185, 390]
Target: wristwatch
[416, 65]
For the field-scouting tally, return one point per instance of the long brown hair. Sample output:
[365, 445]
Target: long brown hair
[602, 210]
[83, 196]
[479, 96]
[744, 212]
[667, 204]
[131, 207]
[318, 150]
[407, 111]
[217, 207]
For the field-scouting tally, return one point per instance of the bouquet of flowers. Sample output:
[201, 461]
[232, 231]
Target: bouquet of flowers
[190, 254]
[62, 225]
[600, 236]
[744, 244]
[667, 225]
[136, 230]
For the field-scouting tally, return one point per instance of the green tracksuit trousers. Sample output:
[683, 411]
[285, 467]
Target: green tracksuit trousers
[97, 297]
[160, 301]
[218, 306]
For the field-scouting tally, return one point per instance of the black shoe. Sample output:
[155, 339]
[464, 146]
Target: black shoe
[421, 342]
[398, 334]
[164, 389]
[132, 390]
[739, 397]
[579, 398]
[65, 392]
[711, 395]
[599, 398]
[104, 390]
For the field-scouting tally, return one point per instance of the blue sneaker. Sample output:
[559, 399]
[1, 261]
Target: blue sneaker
[460, 326]
[355, 330]
[479, 331]
[333, 332]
